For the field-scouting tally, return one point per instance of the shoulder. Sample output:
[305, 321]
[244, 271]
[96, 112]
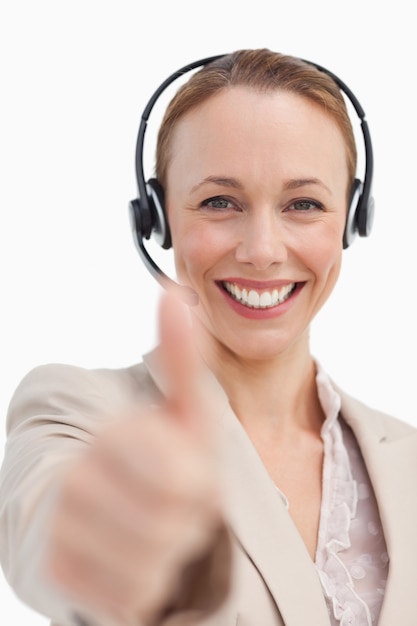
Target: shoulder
[55, 389]
[373, 420]
[362, 418]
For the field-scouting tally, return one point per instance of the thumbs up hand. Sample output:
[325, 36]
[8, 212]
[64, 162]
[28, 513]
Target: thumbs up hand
[143, 502]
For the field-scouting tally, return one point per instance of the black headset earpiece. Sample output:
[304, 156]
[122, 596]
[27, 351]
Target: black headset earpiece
[360, 214]
[147, 212]
[159, 227]
[148, 217]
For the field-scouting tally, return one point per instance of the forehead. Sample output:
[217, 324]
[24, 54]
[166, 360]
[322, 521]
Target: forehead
[240, 128]
[237, 103]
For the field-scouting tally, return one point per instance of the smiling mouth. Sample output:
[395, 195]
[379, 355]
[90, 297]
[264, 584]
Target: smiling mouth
[254, 299]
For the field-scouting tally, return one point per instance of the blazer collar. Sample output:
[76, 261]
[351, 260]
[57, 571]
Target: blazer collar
[389, 449]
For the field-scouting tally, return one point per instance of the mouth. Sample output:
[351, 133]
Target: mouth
[259, 299]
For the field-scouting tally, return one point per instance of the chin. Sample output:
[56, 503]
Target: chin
[257, 349]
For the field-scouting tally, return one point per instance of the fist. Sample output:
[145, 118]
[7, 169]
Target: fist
[144, 501]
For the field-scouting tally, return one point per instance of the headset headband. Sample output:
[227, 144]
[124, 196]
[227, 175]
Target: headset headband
[147, 212]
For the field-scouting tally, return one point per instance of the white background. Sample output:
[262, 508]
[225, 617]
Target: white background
[75, 76]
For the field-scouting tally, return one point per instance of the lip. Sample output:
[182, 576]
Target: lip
[260, 313]
[259, 285]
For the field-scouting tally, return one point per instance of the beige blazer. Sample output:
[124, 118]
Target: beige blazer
[270, 579]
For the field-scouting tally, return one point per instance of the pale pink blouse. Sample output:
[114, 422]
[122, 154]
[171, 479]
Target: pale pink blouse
[351, 557]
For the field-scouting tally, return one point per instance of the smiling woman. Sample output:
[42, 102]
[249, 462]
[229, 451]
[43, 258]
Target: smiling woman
[276, 213]
[225, 478]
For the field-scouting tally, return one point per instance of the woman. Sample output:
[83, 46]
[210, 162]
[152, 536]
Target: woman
[225, 479]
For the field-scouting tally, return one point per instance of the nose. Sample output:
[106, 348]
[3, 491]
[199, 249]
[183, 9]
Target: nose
[262, 241]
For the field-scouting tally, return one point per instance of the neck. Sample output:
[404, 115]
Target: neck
[278, 393]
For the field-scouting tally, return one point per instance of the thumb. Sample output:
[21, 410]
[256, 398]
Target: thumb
[182, 365]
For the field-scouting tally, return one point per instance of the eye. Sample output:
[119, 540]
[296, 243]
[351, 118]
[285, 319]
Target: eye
[305, 205]
[219, 203]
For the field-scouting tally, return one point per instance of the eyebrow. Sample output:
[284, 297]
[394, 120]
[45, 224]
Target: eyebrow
[303, 182]
[226, 181]
[219, 180]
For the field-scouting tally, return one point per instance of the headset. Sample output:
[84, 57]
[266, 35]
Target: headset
[147, 211]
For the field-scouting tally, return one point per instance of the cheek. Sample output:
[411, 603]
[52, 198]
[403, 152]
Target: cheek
[324, 260]
[328, 267]
[195, 252]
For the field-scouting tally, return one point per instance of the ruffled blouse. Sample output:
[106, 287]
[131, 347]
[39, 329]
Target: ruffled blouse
[351, 557]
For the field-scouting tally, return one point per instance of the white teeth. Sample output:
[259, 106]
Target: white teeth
[265, 299]
[259, 300]
[253, 299]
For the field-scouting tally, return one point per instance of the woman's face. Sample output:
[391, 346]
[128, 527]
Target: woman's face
[256, 199]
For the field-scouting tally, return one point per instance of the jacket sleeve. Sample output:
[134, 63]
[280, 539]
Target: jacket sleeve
[54, 415]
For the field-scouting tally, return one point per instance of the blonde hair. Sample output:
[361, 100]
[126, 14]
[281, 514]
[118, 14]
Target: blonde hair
[264, 71]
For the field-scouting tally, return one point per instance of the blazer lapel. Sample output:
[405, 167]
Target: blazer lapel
[266, 532]
[389, 449]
